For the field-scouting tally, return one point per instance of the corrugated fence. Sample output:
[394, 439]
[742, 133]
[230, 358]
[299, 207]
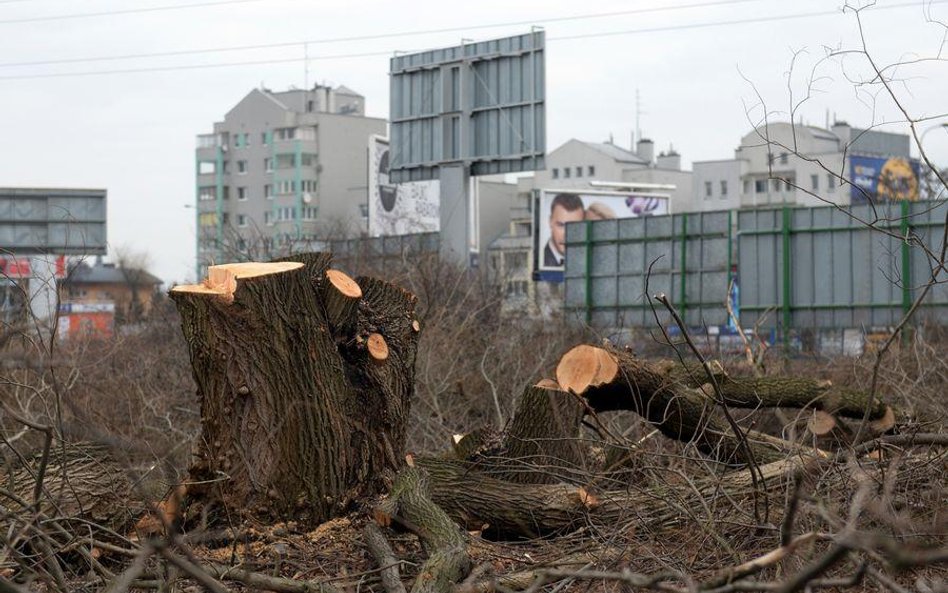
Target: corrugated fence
[796, 267]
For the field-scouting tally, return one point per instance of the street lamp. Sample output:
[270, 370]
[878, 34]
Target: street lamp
[921, 139]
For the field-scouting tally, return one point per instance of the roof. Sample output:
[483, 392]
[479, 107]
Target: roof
[101, 273]
[617, 153]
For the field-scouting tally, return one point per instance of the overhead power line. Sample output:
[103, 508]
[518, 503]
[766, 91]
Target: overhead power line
[598, 34]
[85, 15]
[413, 33]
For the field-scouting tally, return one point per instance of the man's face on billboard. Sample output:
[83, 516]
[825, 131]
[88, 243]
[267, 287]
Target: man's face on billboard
[558, 219]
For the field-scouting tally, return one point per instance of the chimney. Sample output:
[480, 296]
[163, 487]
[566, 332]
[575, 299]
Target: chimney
[843, 131]
[670, 160]
[645, 149]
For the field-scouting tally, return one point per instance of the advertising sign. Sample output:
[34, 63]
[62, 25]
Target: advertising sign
[558, 208]
[883, 179]
[398, 208]
[480, 103]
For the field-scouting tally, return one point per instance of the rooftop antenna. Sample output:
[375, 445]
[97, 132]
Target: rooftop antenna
[638, 116]
[306, 66]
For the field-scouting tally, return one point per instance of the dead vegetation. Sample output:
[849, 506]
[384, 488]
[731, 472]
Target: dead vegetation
[540, 490]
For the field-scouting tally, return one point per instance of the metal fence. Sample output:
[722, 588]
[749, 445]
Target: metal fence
[615, 266]
[826, 268]
[796, 268]
[378, 250]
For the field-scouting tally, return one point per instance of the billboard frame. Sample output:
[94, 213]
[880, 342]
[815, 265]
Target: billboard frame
[50, 224]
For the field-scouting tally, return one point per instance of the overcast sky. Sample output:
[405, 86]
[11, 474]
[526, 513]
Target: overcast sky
[134, 133]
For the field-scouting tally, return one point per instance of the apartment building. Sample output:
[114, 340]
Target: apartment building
[792, 164]
[283, 170]
[577, 164]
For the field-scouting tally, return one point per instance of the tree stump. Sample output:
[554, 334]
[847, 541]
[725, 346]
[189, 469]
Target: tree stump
[297, 415]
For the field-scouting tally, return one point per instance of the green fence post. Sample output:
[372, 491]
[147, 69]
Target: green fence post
[785, 264]
[682, 302]
[588, 272]
[905, 229]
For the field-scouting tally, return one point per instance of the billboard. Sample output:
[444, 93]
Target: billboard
[880, 179]
[478, 104]
[38, 221]
[557, 208]
[398, 208]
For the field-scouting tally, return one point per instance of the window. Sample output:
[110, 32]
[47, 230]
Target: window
[309, 107]
[241, 193]
[787, 185]
[566, 172]
[592, 170]
[268, 218]
[236, 140]
[814, 182]
[207, 193]
[307, 159]
[246, 138]
[723, 188]
[308, 185]
[268, 191]
[206, 167]
[268, 165]
[747, 186]
[226, 195]
[556, 173]
[241, 167]
[364, 210]
[225, 218]
[309, 213]
[707, 189]
[784, 158]
[286, 186]
[284, 133]
[263, 138]
[579, 171]
[760, 186]
[241, 220]
[517, 289]
[306, 133]
[831, 181]
[776, 185]
[224, 167]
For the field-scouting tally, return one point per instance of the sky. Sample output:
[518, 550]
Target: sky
[129, 125]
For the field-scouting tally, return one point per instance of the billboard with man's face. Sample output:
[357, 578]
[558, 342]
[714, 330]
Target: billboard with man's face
[559, 208]
[876, 179]
[402, 208]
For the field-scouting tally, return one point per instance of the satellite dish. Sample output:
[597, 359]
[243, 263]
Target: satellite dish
[307, 198]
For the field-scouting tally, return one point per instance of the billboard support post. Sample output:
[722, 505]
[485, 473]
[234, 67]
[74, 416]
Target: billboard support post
[455, 213]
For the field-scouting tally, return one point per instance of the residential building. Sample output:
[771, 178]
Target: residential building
[510, 260]
[130, 290]
[577, 164]
[283, 169]
[784, 163]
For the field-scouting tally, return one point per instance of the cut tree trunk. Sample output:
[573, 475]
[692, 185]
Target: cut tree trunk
[296, 414]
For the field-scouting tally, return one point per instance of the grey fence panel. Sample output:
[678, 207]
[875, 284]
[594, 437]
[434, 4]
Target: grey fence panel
[827, 268]
[615, 267]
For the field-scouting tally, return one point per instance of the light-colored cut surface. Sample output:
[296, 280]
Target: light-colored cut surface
[222, 279]
[608, 368]
[344, 284]
[416, 326]
[577, 369]
[884, 424]
[821, 423]
[548, 384]
[377, 347]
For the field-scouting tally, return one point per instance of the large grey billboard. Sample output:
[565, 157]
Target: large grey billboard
[55, 221]
[478, 104]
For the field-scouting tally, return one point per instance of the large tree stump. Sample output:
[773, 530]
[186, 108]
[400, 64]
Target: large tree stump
[296, 414]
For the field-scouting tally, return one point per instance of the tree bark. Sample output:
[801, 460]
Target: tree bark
[295, 415]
